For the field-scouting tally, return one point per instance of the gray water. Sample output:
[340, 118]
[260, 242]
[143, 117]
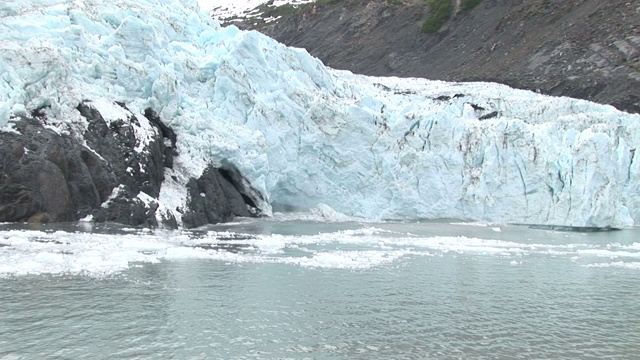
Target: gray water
[496, 293]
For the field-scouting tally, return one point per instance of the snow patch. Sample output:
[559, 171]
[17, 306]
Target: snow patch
[10, 127]
[223, 9]
[114, 194]
[114, 113]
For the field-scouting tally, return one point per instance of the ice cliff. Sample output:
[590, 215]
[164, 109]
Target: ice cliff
[303, 135]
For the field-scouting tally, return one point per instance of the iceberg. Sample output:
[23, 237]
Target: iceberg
[304, 135]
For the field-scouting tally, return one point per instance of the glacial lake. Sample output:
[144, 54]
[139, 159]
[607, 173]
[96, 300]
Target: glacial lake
[298, 288]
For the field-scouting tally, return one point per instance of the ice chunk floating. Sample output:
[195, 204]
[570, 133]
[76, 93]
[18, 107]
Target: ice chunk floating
[304, 135]
[351, 246]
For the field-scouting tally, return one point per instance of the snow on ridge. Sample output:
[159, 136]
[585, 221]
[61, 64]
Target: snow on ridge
[233, 9]
[305, 135]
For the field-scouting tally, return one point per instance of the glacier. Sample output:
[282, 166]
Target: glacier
[306, 136]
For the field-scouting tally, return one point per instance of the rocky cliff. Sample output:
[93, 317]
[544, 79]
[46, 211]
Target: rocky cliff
[111, 170]
[588, 49]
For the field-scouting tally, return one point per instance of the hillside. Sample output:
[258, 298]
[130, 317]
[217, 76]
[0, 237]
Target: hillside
[587, 49]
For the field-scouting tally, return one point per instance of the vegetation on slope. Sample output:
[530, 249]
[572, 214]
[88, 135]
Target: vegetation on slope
[441, 11]
[469, 4]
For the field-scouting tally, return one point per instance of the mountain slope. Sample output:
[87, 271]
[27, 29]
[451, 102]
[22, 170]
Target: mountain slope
[588, 49]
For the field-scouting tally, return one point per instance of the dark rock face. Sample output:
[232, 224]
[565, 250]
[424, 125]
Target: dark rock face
[587, 49]
[48, 177]
[217, 196]
[113, 171]
[135, 172]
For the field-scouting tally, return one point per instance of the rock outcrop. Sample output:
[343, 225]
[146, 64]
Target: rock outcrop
[588, 49]
[111, 172]
[217, 196]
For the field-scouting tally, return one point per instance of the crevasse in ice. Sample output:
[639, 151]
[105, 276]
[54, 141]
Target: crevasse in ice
[306, 135]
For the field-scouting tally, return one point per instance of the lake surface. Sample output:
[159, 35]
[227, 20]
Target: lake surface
[297, 288]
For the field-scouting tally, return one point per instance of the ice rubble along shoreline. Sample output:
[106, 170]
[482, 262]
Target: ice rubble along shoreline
[302, 134]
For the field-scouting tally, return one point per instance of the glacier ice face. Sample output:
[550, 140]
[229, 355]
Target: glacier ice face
[305, 135]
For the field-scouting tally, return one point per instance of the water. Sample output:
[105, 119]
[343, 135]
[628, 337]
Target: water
[301, 289]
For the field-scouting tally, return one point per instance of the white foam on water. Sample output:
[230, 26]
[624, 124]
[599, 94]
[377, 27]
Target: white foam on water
[608, 253]
[617, 264]
[24, 252]
[634, 246]
[472, 223]
[321, 213]
[353, 260]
